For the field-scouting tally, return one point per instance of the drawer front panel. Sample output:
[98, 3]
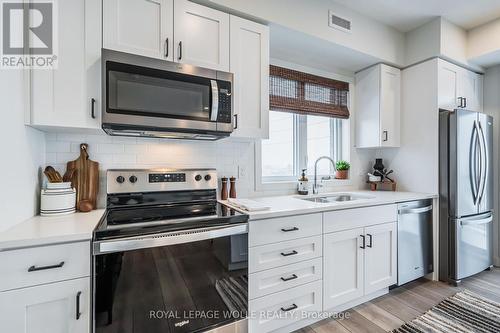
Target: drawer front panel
[284, 308]
[282, 278]
[39, 265]
[284, 228]
[358, 217]
[280, 254]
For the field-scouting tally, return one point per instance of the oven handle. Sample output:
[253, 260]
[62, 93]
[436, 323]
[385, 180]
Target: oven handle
[168, 238]
[215, 100]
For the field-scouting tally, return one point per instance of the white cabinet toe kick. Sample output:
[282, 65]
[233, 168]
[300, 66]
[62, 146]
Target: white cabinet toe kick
[305, 268]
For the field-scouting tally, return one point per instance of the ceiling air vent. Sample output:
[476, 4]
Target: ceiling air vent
[338, 22]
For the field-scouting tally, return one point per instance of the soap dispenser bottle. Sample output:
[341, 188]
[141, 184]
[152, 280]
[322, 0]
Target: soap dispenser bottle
[303, 186]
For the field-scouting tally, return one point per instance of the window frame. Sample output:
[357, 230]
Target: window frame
[300, 156]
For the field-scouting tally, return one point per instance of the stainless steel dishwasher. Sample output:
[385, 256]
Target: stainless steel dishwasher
[415, 245]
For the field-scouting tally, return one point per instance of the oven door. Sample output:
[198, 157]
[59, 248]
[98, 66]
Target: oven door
[188, 281]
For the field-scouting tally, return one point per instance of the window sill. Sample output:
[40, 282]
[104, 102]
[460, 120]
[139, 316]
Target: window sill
[287, 186]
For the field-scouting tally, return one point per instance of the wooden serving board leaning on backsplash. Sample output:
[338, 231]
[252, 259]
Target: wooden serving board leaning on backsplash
[85, 180]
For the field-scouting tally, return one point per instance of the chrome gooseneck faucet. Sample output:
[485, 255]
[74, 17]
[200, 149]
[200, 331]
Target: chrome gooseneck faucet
[315, 184]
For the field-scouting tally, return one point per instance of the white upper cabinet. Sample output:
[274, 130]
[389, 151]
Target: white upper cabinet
[378, 107]
[143, 27]
[201, 36]
[249, 54]
[459, 88]
[69, 96]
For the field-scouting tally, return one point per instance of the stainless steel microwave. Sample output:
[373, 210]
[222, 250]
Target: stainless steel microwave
[150, 97]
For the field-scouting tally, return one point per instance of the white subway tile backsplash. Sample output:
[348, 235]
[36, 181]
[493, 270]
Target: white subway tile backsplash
[124, 159]
[110, 148]
[58, 147]
[147, 153]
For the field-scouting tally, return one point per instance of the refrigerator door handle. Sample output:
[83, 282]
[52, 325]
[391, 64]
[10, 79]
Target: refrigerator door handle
[484, 160]
[473, 164]
[486, 220]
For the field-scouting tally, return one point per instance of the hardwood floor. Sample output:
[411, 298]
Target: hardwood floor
[405, 303]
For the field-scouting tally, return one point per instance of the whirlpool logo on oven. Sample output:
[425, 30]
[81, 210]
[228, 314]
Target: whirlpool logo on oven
[29, 34]
[181, 323]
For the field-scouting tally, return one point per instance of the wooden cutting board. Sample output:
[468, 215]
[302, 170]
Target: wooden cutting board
[85, 179]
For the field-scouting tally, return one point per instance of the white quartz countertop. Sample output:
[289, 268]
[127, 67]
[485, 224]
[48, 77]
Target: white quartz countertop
[294, 205]
[40, 230]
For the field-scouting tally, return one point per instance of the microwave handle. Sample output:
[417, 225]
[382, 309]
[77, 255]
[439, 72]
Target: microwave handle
[215, 100]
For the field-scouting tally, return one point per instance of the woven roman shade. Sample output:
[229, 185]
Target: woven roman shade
[303, 93]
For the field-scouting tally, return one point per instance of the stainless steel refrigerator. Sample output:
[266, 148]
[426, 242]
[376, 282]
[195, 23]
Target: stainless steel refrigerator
[466, 194]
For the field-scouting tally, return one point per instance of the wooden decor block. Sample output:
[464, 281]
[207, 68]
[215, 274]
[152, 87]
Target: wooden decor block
[374, 186]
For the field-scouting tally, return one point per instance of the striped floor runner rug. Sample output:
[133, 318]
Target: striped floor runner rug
[462, 313]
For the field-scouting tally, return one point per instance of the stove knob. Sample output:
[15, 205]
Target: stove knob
[133, 179]
[120, 179]
[197, 178]
[208, 177]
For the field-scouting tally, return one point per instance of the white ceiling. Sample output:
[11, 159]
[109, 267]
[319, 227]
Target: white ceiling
[406, 15]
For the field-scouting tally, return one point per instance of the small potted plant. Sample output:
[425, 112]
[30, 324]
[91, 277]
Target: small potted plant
[342, 169]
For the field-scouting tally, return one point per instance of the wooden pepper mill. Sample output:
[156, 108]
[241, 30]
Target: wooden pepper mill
[223, 191]
[232, 190]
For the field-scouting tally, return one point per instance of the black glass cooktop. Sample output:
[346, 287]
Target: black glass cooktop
[148, 219]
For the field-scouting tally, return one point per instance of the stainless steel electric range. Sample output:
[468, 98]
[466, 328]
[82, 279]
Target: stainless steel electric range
[167, 257]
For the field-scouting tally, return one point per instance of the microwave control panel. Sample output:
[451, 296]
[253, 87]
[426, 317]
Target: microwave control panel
[225, 102]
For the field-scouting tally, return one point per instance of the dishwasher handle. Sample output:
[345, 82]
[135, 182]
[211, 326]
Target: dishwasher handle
[415, 210]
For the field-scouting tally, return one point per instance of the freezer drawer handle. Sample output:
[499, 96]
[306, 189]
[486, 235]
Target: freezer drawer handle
[415, 210]
[477, 222]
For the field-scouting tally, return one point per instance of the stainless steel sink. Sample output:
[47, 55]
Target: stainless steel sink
[337, 198]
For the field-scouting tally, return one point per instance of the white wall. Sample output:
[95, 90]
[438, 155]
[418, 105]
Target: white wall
[416, 162]
[23, 153]
[484, 44]
[492, 107]
[311, 17]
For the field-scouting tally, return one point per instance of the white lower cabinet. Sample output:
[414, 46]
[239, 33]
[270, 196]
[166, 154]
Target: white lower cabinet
[284, 308]
[60, 307]
[380, 256]
[343, 267]
[358, 262]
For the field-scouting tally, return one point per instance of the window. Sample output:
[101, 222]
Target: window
[305, 123]
[295, 142]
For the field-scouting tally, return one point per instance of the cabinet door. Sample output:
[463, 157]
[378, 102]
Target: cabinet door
[47, 308]
[470, 87]
[143, 27]
[201, 36]
[448, 83]
[390, 106]
[59, 97]
[368, 108]
[249, 57]
[380, 257]
[342, 267]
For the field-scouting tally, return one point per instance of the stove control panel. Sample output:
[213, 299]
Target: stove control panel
[157, 180]
[167, 177]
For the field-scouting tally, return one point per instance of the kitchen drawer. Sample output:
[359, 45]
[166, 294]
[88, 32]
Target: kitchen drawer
[358, 217]
[284, 228]
[39, 265]
[285, 277]
[284, 253]
[271, 311]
